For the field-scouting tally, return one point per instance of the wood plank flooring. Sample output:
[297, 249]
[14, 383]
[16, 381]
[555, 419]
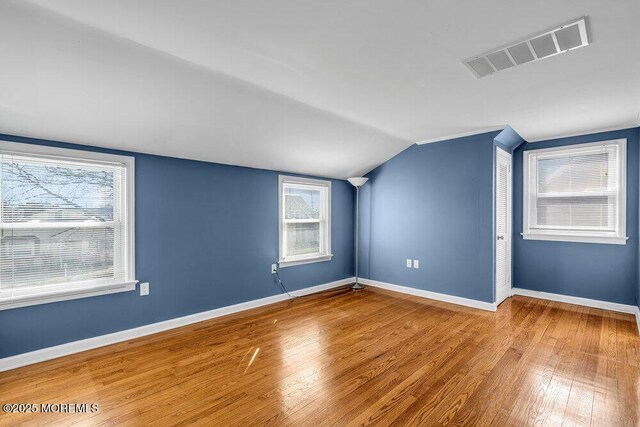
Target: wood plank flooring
[353, 358]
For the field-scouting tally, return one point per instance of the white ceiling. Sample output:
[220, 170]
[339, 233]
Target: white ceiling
[329, 88]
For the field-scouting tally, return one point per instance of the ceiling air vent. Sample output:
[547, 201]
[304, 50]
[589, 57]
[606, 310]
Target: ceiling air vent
[559, 40]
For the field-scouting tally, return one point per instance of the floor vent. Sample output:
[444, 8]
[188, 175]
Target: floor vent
[567, 37]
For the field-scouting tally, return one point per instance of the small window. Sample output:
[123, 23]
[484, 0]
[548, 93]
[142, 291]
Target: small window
[305, 220]
[66, 224]
[576, 193]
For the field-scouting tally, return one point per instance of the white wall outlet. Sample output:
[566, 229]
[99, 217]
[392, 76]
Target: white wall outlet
[416, 263]
[274, 268]
[144, 289]
[408, 263]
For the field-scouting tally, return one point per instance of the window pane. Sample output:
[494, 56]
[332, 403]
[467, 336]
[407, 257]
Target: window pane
[594, 172]
[303, 238]
[41, 198]
[31, 257]
[302, 203]
[578, 212]
[577, 189]
[34, 190]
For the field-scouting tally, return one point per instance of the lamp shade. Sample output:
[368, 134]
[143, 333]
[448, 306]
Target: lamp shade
[358, 181]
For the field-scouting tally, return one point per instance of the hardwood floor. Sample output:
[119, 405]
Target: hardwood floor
[351, 358]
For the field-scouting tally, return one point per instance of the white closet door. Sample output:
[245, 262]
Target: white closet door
[503, 225]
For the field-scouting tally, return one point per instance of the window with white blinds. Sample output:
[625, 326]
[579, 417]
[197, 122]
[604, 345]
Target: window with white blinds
[66, 224]
[576, 193]
[305, 220]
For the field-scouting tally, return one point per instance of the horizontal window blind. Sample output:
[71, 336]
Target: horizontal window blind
[578, 191]
[62, 222]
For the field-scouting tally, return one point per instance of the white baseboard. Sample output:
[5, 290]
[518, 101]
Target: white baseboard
[49, 353]
[638, 319]
[605, 305]
[431, 295]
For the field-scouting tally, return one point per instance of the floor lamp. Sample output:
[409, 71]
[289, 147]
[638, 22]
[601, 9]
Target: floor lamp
[357, 182]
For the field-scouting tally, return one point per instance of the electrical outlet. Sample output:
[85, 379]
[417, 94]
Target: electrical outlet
[408, 263]
[416, 263]
[274, 268]
[144, 289]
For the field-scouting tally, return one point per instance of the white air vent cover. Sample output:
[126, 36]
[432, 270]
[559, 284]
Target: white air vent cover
[559, 40]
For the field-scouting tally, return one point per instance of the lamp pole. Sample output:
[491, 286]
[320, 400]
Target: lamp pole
[357, 182]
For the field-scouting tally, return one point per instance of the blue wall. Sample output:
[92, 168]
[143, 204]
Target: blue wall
[508, 139]
[206, 235]
[597, 271]
[638, 282]
[434, 203]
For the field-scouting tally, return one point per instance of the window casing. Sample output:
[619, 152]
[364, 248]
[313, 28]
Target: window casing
[576, 193]
[66, 224]
[304, 211]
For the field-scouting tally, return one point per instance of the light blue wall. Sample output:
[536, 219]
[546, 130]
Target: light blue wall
[206, 235]
[597, 271]
[432, 202]
[508, 139]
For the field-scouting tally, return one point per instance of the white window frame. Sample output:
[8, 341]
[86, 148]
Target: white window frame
[325, 222]
[14, 298]
[529, 183]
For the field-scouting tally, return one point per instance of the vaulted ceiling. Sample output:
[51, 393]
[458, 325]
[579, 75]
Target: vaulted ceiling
[329, 88]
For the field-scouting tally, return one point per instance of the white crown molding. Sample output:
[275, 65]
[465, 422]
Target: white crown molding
[489, 306]
[462, 135]
[562, 135]
[589, 132]
[49, 353]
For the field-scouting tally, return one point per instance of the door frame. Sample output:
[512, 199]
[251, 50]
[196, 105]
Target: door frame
[505, 154]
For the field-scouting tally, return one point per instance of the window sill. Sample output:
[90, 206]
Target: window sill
[24, 298]
[610, 240]
[302, 261]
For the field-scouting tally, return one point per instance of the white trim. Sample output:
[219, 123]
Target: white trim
[71, 291]
[489, 306]
[68, 154]
[576, 239]
[20, 298]
[325, 235]
[499, 152]
[604, 305]
[638, 319]
[579, 145]
[49, 353]
[589, 132]
[285, 264]
[529, 196]
[462, 134]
